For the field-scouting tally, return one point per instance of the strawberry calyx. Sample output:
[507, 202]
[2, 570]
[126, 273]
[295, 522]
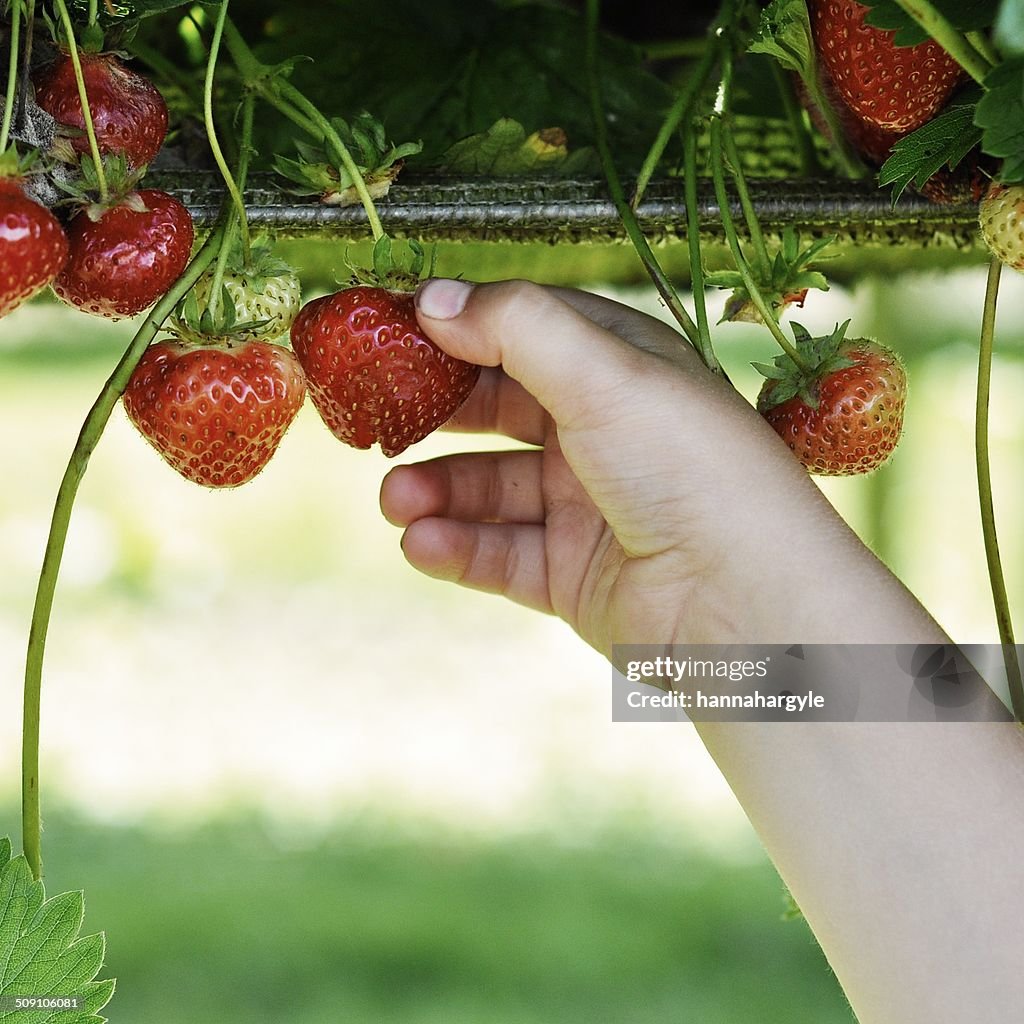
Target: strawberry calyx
[122, 182]
[198, 321]
[822, 356]
[378, 161]
[392, 271]
[787, 281]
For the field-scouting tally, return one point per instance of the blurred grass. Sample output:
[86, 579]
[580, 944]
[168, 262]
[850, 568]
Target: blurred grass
[237, 921]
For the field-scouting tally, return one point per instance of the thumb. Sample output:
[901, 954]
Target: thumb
[578, 371]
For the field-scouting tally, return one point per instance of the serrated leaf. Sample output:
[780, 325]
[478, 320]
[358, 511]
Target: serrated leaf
[40, 952]
[1009, 28]
[1000, 113]
[942, 142]
[785, 33]
[966, 15]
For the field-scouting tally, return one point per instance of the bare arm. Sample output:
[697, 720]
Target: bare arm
[650, 511]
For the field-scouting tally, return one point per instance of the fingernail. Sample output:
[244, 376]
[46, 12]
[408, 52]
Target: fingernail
[443, 298]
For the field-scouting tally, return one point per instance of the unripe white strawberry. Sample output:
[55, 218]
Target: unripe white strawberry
[1002, 223]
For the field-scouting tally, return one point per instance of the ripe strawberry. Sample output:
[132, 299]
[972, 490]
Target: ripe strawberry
[124, 257]
[33, 246]
[216, 414]
[128, 112]
[373, 375]
[844, 415]
[898, 88]
[1001, 217]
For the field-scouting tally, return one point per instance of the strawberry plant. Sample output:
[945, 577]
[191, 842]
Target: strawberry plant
[920, 96]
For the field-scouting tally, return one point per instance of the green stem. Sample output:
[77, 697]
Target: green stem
[12, 77]
[950, 38]
[846, 156]
[988, 517]
[729, 227]
[682, 108]
[674, 49]
[90, 130]
[295, 106]
[218, 154]
[810, 165]
[625, 211]
[228, 241]
[93, 11]
[331, 137]
[92, 430]
[693, 242]
[984, 46]
[747, 205]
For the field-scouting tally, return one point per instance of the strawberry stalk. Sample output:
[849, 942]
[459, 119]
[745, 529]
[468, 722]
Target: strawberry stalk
[282, 95]
[90, 129]
[729, 227]
[88, 438]
[693, 238]
[951, 39]
[211, 129]
[746, 205]
[988, 519]
[12, 75]
[810, 166]
[625, 211]
[681, 112]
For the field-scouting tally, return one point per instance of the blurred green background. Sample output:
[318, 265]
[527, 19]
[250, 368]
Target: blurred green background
[300, 783]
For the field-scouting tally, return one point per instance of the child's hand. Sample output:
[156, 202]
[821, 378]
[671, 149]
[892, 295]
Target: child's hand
[657, 507]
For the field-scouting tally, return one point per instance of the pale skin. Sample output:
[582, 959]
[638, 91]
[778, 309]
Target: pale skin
[650, 509]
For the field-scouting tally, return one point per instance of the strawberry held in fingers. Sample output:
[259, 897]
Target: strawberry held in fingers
[373, 375]
[33, 246]
[897, 88]
[215, 413]
[841, 414]
[125, 257]
[128, 112]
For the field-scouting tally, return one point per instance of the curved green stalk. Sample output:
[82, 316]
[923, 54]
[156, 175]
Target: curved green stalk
[747, 205]
[693, 243]
[12, 77]
[950, 38]
[218, 154]
[93, 11]
[92, 430]
[729, 227]
[984, 46]
[629, 221]
[988, 517]
[83, 97]
[810, 165]
[680, 111]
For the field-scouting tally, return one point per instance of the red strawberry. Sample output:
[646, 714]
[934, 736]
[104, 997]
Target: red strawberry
[123, 261]
[217, 413]
[844, 415]
[128, 112]
[1001, 217]
[898, 88]
[373, 375]
[33, 246]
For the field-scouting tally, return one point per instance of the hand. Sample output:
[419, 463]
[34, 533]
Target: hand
[657, 505]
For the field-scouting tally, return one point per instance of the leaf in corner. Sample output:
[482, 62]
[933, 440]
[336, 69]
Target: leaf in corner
[41, 952]
[784, 33]
[942, 142]
[1000, 114]
[966, 15]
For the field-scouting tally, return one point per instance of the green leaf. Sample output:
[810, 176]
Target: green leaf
[1009, 30]
[506, 149]
[40, 951]
[447, 70]
[966, 15]
[785, 33]
[942, 142]
[1000, 114]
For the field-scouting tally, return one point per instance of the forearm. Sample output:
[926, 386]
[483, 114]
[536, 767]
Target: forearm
[901, 843]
